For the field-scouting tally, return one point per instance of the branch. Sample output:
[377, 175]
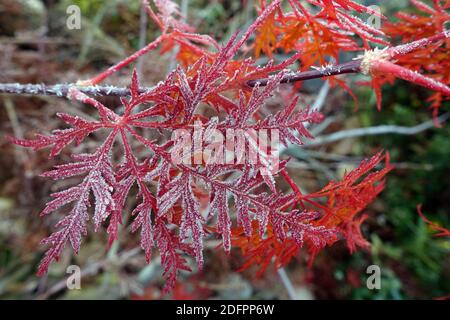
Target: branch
[353, 66]
[143, 23]
[371, 131]
[287, 283]
[62, 89]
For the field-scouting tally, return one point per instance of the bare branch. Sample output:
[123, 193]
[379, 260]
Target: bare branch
[62, 89]
[287, 283]
[143, 23]
[378, 130]
[353, 66]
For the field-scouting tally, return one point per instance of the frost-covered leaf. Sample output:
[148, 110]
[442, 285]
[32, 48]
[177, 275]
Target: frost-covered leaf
[60, 138]
[192, 221]
[170, 249]
[99, 180]
[143, 221]
[219, 206]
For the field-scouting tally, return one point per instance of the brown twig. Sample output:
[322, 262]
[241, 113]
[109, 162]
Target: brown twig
[353, 66]
[62, 89]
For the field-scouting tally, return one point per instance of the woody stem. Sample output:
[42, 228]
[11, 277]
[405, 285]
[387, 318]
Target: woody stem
[63, 89]
[353, 66]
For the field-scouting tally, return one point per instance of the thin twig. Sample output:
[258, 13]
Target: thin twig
[353, 66]
[378, 130]
[287, 283]
[143, 23]
[321, 97]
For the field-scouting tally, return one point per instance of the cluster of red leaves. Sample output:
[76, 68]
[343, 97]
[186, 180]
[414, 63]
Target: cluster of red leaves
[194, 202]
[335, 207]
[320, 31]
[347, 198]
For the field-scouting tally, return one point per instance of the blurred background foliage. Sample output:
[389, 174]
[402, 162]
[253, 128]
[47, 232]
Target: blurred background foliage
[36, 47]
